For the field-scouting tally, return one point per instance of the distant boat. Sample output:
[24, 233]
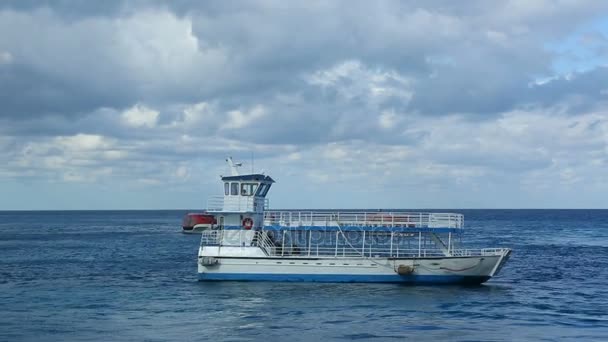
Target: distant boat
[247, 242]
[197, 222]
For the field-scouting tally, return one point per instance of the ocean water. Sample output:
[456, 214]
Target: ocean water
[131, 275]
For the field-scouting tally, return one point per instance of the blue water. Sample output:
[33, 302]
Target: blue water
[131, 275]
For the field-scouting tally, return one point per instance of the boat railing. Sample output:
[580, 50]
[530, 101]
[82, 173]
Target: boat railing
[364, 219]
[211, 237]
[272, 249]
[264, 241]
[493, 251]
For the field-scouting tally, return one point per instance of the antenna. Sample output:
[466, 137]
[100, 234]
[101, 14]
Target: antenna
[251, 161]
[233, 166]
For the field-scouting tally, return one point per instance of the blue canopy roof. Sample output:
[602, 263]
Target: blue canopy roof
[253, 177]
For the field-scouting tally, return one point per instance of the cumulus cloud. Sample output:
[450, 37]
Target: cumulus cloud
[434, 100]
[140, 116]
[239, 119]
[353, 80]
[5, 57]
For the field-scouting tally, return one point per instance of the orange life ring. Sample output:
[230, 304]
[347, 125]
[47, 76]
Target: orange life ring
[247, 223]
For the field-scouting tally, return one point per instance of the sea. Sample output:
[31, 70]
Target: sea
[131, 276]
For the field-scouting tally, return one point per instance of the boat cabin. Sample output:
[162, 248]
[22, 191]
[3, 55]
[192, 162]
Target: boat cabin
[239, 211]
[245, 193]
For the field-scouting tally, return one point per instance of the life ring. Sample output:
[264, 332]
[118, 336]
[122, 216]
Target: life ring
[247, 223]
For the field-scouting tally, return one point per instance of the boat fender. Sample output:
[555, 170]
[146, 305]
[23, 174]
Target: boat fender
[405, 270]
[208, 261]
[247, 223]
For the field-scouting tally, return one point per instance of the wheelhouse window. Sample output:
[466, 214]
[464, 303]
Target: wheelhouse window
[248, 189]
[226, 188]
[234, 189]
[262, 190]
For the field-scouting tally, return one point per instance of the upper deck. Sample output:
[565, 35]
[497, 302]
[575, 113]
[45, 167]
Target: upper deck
[402, 221]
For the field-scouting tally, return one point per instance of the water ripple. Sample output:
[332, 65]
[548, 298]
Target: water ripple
[131, 276]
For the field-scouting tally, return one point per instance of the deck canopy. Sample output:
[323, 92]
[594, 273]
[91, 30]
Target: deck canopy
[248, 178]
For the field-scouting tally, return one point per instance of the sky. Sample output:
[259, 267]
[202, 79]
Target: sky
[346, 104]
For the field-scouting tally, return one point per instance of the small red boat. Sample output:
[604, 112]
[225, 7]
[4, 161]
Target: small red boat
[198, 222]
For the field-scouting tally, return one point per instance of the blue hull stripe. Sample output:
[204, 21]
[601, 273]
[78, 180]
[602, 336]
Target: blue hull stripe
[345, 278]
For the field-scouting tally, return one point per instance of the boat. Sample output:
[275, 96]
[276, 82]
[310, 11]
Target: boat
[249, 242]
[197, 222]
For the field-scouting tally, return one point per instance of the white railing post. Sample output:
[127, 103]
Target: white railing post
[398, 248]
[363, 247]
[283, 245]
[336, 254]
[419, 243]
[309, 241]
[449, 243]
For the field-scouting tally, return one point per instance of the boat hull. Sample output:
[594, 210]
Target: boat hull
[346, 278]
[446, 270]
[193, 230]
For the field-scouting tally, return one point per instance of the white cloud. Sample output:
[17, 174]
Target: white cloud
[318, 177]
[88, 176]
[352, 79]
[238, 119]
[387, 119]
[80, 142]
[335, 152]
[294, 156]
[520, 152]
[115, 154]
[5, 57]
[182, 173]
[75, 158]
[140, 116]
[157, 45]
[342, 104]
[197, 113]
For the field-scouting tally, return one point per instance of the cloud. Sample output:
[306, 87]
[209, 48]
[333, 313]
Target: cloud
[140, 116]
[70, 68]
[353, 80]
[5, 57]
[387, 119]
[239, 119]
[434, 100]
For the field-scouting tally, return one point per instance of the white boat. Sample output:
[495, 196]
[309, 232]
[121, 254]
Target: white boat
[251, 243]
